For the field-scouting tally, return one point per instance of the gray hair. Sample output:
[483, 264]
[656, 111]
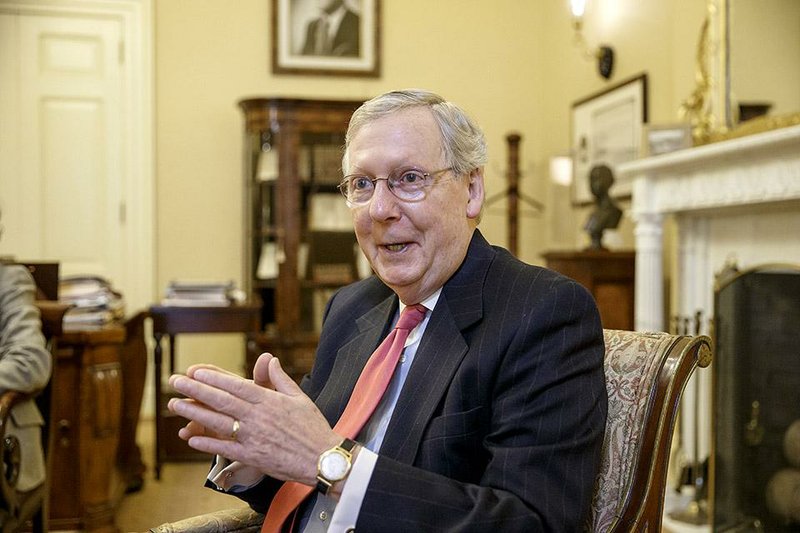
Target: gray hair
[462, 140]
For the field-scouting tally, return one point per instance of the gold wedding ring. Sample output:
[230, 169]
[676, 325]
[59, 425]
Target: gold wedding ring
[235, 430]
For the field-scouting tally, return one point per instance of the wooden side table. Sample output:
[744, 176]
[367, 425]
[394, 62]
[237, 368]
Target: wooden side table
[86, 485]
[174, 320]
[609, 276]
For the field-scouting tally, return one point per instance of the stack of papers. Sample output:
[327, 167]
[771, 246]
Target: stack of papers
[95, 301]
[200, 294]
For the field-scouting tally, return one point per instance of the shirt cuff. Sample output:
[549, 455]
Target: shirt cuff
[233, 476]
[346, 513]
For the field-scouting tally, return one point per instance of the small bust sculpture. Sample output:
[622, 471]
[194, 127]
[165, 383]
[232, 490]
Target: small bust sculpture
[606, 214]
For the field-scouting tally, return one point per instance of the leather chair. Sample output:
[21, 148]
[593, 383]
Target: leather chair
[645, 377]
[17, 508]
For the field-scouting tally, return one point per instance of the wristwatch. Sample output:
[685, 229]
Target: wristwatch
[334, 465]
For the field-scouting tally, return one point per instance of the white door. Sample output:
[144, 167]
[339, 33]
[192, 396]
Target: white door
[65, 134]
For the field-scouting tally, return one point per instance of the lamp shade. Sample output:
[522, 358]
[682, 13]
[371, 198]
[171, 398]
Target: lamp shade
[578, 7]
[561, 170]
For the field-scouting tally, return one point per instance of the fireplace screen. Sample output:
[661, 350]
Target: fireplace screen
[756, 459]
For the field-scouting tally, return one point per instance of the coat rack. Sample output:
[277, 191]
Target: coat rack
[513, 193]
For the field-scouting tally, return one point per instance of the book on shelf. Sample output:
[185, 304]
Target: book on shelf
[268, 261]
[331, 257]
[327, 163]
[329, 212]
[267, 165]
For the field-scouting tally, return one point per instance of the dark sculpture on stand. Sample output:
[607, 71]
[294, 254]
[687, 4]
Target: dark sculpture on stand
[606, 214]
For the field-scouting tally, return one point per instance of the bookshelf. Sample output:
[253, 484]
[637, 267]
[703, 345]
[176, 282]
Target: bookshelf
[299, 242]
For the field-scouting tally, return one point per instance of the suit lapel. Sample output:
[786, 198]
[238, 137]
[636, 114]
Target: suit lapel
[352, 356]
[440, 353]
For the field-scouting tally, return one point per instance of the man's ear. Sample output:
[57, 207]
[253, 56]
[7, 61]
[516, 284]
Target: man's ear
[476, 193]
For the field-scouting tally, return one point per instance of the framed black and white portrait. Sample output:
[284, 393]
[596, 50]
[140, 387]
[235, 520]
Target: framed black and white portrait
[328, 37]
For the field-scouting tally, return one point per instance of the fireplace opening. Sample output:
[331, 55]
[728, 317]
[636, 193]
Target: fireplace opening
[756, 400]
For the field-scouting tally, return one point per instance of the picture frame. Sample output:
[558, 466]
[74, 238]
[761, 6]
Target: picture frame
[606, 129]
[352, 46]
[665, 138]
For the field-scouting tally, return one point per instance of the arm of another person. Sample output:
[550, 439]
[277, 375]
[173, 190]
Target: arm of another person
[541, 453]
[25, 363]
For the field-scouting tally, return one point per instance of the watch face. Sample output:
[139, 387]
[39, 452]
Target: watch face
[334, 466]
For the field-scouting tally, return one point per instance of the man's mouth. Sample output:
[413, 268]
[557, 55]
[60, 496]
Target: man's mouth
[397, 247]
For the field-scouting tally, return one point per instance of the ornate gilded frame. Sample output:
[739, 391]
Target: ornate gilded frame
[709, 107]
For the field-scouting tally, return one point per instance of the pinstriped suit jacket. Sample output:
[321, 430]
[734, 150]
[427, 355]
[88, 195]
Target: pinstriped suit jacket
[500, 421]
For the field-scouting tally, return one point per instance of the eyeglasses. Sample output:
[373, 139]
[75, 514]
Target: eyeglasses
[407, 184]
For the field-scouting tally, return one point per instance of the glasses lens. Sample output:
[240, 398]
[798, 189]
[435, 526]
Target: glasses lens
[409, 184]
[358, 189]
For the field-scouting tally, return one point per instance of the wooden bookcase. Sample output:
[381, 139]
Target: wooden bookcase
[299, 242]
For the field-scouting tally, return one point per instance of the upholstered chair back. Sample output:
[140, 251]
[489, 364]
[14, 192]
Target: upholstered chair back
[645, 377]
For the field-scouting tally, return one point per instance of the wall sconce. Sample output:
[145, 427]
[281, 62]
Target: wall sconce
[603, 54]
[561, 170]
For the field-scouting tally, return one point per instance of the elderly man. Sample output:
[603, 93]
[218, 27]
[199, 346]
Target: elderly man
[487, 416]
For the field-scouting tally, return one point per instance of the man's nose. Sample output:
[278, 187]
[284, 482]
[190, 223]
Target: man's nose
[383, 203]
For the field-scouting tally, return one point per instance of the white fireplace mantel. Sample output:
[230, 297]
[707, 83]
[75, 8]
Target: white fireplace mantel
[758, 173]
[738, 199]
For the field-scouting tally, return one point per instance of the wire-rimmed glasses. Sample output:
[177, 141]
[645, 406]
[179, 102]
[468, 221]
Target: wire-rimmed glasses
[407, 184]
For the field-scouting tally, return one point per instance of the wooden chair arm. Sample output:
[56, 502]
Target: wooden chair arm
[52, 315]
[239, 520]
[9, 455]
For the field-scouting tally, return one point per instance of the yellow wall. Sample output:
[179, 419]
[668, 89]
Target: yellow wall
[510, 63]
[765, 29]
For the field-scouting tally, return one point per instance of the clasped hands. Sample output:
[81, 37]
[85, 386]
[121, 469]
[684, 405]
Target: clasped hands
[280, 432]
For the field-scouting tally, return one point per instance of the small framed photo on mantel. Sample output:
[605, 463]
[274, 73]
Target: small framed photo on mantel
[665, 138]
[326, 37]
[607, 130]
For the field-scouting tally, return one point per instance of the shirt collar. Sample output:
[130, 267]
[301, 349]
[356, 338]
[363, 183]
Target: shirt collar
[429, 302]
[335, 18]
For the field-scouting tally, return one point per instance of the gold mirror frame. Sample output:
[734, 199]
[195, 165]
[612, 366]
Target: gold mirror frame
[709, 107]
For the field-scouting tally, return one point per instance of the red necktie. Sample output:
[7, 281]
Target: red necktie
[366, 395]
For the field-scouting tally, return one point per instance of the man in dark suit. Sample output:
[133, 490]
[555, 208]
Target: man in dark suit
[494, 417]
[335, 33]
